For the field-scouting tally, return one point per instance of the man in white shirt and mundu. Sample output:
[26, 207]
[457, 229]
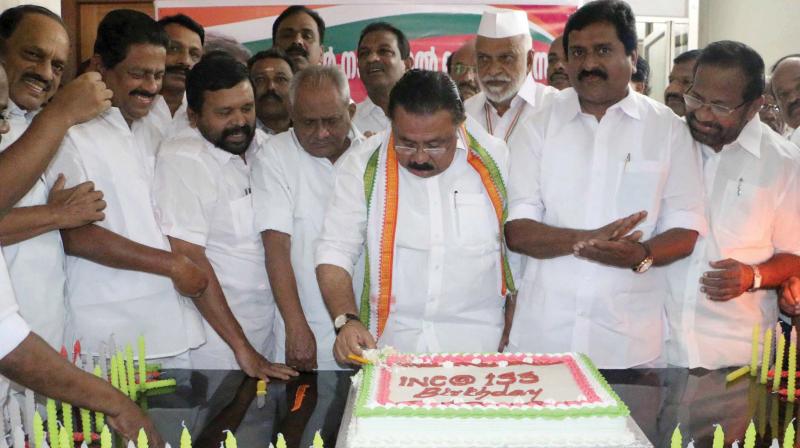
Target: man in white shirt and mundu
[293, 179]
[204, 206]
[429, 202]
[606, 184]
[752, 197]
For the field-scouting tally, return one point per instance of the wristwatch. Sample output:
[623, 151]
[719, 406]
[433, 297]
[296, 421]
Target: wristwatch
[756, 278]
[342, 320]
[645, 264]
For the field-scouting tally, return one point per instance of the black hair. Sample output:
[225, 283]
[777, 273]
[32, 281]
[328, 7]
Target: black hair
[425, 92]
[272, 53]
[732, 54]
[778, 62]
[186, 22]
[216, 71]
[402, 41]
[614, 12]
[449, 64]
[11, 17]
[296, 9]
[122, 28]
[642, 71]
[686, 56]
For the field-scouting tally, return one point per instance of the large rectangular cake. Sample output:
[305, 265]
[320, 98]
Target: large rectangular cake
[485, 400]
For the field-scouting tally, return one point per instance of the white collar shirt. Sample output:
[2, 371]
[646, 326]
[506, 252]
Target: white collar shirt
[290, 191]
[103, 300]
[369, 117]
[575, 172]
[203, 196]
[36, 265]
[752, 195]
[447, 268]
[795, 138]
[13, 328]
[164, 122]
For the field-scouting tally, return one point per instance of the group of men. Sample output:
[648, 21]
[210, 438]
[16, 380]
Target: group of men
[251, 216]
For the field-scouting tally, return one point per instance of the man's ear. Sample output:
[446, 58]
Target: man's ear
[409, 63]
[351, 109]
[755, 107]
[530, 60]
[193, 117]
[634, 57]
[96, 65]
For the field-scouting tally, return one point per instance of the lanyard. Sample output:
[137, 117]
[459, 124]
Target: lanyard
[511, 127]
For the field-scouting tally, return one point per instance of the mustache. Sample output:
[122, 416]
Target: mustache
[674, 96]
[468, 85]
[559, 72]
[420, 166]
[270, 94]
[691, 118]
[594, 72]
[501, 78]
[144, 93]
[297, 49]
[244, 129]
[37, 78]
[180, 69]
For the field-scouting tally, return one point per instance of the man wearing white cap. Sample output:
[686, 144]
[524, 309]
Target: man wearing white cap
[509, 95]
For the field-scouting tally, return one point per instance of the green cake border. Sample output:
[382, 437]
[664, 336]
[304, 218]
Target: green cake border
[368, 377]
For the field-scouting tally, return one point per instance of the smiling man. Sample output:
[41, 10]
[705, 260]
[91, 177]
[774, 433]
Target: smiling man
[121, 276]
[428, 202]
[300, 31]
[384, 55]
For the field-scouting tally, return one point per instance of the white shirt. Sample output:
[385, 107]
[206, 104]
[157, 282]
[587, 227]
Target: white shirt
[752, 195]
[575, 172]
[290, 191]
[13, 329]
[532, 96]
[202, 196]
[369, 117]
[36, 265]
[162, 120]
[103, 300]
[795, 138]
[447, 268]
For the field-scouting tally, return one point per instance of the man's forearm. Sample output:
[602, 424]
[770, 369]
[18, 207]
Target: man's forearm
[778, 269]
[336, 286]
[278, 247]
[538, 240]
[24, 223]
[672, 245]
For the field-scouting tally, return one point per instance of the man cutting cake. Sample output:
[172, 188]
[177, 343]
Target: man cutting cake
[429, 202]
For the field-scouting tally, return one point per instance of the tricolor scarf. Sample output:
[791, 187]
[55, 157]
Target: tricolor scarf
[381, 189]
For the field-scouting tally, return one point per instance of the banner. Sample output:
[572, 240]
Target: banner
[433, 30]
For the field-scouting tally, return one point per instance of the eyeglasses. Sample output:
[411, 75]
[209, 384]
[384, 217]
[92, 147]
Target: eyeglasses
[694, 103]
[774, 108]
[460, 69]
[431, 151]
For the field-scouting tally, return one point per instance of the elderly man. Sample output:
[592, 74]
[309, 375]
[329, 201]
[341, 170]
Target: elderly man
[185, 48]
[25, 358]
[204, 205]
[461, 66]
[680, 79]
[428, 202]
[293, 179]
[786, 88]
[271, 72]
[606, 186]
[120, 273]
[300, 31]
[556, 70]
[29, 232]
[384, 55]
[753, 203]
[509, 95]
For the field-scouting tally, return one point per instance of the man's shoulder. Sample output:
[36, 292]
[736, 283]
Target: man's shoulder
[775, 145]
[474, 104]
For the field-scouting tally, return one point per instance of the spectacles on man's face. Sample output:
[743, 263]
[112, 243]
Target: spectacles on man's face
[774, 108]
[694, 103]
[460, 69]
[431, 150]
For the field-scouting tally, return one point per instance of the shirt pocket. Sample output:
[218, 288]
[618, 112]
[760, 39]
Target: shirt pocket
[639, 189]
[474, 221]
[745, 217]
[242, 217]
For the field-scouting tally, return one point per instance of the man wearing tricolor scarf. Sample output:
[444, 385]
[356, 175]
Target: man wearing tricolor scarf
[428, 204]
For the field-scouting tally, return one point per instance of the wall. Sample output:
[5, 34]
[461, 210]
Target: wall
[771, 27]
[52, 5]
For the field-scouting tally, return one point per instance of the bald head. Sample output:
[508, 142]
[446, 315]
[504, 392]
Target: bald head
[786, 88]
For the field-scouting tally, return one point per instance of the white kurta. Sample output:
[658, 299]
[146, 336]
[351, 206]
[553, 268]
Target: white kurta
[13, 328]
[103, 300]
[575, 172]
[370, 118]
[290, 191]
[162, 120]
[752, 195]
[202, 196]
[36, 265]
[447, 270]
[795, 138]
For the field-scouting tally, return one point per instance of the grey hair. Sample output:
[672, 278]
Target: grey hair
[314, 75]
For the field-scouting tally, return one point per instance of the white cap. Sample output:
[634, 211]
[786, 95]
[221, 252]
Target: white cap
[503, 23]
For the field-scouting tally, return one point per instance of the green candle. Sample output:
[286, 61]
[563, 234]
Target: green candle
[114, 372]
[129, 370]
[317, 443]
[792, 365]
[86, 425]
[719, 437]
[788, 436]
[766, 355]
[750, 436]
[186, 439]
[281, 442]
[99, 418]
[122, 374]
[141, 442]
[230, 440]
[779, 349]
[142, 364]
[738, 373]
[677, 439]
[52, 423]
[105, 438]
[160, 383]
[754, 351]
[64, 437]
[66, 414]
[38, 430]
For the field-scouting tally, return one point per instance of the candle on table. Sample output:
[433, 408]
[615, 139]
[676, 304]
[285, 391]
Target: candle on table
[281, 442]
[160, 383]
[779, 355]
[142, 363]
[114, 372]
[766, 355]
[677, 439]
[64, 438]
[123, 376]
[792, 365]
[788, 436]
[141, 441]
[750, 436]
[38, 430]
[738, 373]
[99, 418]
[317, 443]
[86, 425]
[129, 370]
[719, 437]
[230, 440]
[52, 423]
[105, 438]
[186, 439]
[66, 415]
[754, 351]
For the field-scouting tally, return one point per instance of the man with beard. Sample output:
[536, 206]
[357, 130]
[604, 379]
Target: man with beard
[752, 199]
[29, 232]
[436, 275]
[786, 88]
[461, 66]
[271, 72]
[509, 95]
[185, 48]
[121, 276]
[293, 179]
[556, 72]
[300, 31]
[606, 185]
[680, 79]
[204, 206]
[384, 55]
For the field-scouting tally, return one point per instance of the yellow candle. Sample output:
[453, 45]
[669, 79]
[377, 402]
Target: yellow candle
[129, 370]
[160, 383]
[52, 423]
[766, 355]
[114, 372]
[38, 430]
[677, 439]
[719, 437]
[261, 387]
[317, 443]
[122, 374]
[142, 440]
[86, 425]
[281, 442]
[781, 347]
[754, 351]
[66, 414]
[788, 436]
[64, 438]
[142, 364]
[99, 418]
[792, 365]
[186, 439]
[738, 373]
[105, 438]
[750, 436]
[230, 440]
